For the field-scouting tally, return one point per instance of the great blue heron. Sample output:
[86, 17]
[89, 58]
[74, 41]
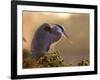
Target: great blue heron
[46, 35]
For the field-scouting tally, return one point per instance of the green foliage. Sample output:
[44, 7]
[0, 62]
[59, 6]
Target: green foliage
[48, 60]
[53, 59]
[83, 63]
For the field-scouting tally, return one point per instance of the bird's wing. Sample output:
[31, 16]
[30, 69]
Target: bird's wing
[41, 39]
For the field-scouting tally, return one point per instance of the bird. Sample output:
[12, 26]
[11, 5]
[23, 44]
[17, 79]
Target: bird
[46, 35]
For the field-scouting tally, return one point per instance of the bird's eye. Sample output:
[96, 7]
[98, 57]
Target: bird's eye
[47, 28]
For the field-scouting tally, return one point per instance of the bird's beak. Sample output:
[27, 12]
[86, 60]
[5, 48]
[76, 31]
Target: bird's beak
[67, 37]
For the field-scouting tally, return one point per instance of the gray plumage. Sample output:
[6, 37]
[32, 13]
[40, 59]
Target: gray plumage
[44, 37]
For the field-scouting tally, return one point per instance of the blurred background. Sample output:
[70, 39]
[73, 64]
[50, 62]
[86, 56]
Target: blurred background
[76, 26]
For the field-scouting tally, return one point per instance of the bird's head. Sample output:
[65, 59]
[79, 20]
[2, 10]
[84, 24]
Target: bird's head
[60, 29]
[56, 28]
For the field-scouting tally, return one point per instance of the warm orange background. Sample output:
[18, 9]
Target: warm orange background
[76, 26]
